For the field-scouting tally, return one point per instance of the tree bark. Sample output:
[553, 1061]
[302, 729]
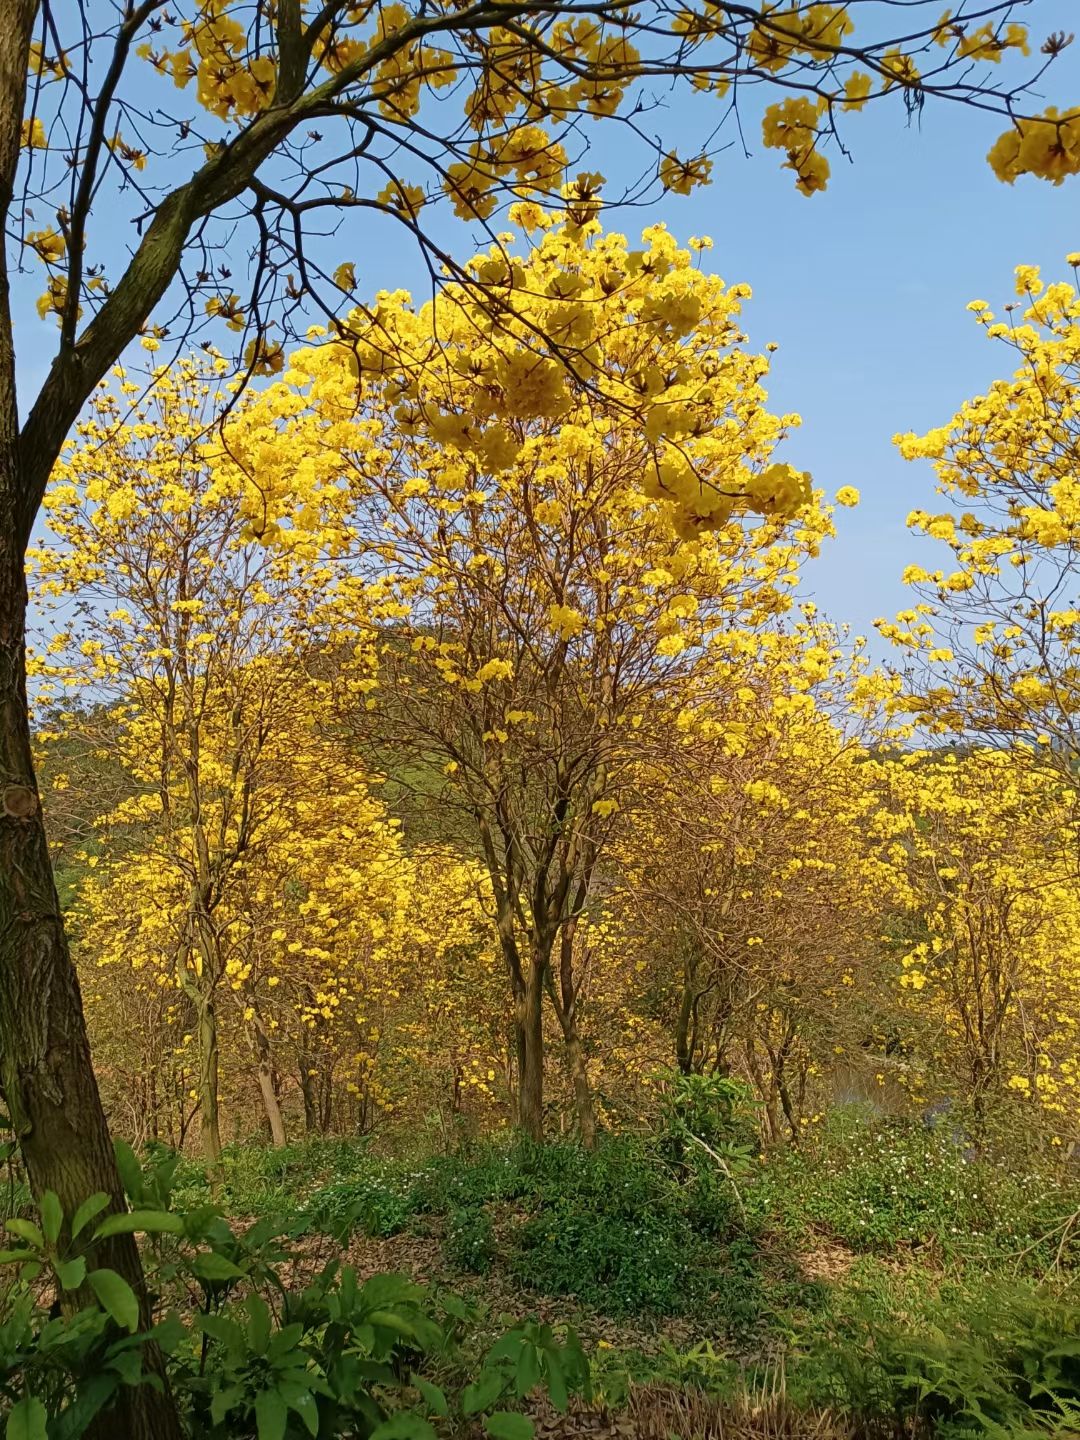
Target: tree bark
[48, 1080]
[267, 1085]
[684, 1043]
[209, 1086]
[270, 1105]
[528, 1020]
[579, 1077]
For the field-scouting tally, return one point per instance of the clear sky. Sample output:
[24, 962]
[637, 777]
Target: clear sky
[864, 288]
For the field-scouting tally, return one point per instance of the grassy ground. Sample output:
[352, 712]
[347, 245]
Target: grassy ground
[884, 1281]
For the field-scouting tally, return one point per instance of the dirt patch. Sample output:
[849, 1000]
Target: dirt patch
[659, 1412]
[828, 1260]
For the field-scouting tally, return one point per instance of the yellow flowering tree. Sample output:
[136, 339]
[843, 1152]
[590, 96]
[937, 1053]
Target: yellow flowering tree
[743, 886]
[994, 638]
[977, 853]
[201, 651]
[548, 554]
[321, 938]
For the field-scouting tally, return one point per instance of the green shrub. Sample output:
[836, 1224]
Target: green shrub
[712, 1108]
[621, 1265]
[248, 1355]
[1004, 1363]
[264, 1179]
[379, 1202]
[469, 1242]
[881, 1184]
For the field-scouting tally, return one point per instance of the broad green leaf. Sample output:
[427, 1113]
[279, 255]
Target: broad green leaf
[92, 1396]
[403, 1426]
[15, 1257]
[270, 1415]
[128, 1365]
[484, 1391]
[258, 1328]
[556, 1380]
[282, 1341]
[434, 1397]
[116, 1296]
[52, 1216]
[140, 1222]
[527, 1370]
[89, 1210]
[395, 1321]
[71, 1273]
[26, 1230]
[170, 1333]
[508, 1425]
[389, 1289]
[211, 1266]
[27, 1420]
[218, 1327]
[509, 1345]
[127, 1162]
[223, 1402]
[305, 1406]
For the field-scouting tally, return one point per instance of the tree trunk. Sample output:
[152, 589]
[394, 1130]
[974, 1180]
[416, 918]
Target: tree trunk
[209, 1086]
[307, 1090]
[528, 1020]
[684, 1047]
[270, 1105]
[268, 1084]
[47, 1077]
[579, 1076]
[48, 1080]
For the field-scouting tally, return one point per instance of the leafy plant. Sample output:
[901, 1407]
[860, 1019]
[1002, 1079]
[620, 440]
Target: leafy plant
[1002, 1362]
[469, 1242]
[249, 1355]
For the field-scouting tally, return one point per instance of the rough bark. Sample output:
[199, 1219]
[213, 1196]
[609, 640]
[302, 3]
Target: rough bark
[579, 1078]
[48, 1081]
[566, 998]
[209, 1087]
[528, 1019]
[268, 1085]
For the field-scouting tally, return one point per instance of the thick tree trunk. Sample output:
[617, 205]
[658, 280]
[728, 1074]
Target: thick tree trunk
[48, 1080]
[528, 1021]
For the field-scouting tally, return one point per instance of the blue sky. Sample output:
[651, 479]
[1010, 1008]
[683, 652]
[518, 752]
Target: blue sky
[863, 288]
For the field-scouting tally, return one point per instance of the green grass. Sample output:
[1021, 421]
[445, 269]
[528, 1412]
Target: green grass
[952, 1306]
